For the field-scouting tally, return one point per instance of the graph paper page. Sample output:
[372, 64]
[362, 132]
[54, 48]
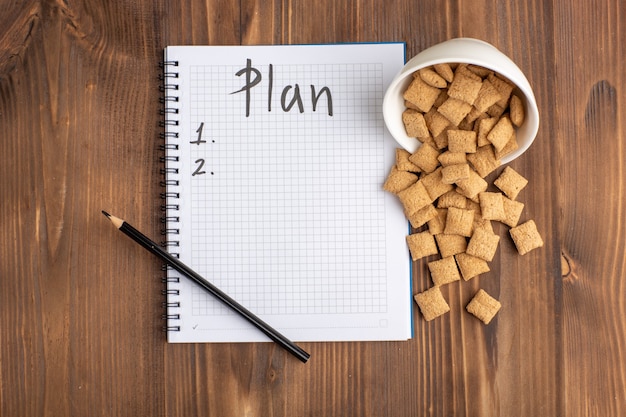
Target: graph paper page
[281, 156]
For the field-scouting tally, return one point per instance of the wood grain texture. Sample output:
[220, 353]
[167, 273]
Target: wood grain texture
[591, 123]
[80, 304]
[75, 340]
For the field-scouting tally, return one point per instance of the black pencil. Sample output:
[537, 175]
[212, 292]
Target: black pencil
[151, 246]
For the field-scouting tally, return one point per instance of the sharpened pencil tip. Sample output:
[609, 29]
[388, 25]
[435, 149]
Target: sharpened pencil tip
[117, 222]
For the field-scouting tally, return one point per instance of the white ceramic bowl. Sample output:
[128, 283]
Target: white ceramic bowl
[461, 50]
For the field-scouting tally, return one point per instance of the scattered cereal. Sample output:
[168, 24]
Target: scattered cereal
[517, 110]
[444, 271]
[421, 245]
[478, 70]
[491, 205]
[414, 197]
[436, 122]
[510, 182]
[450, 245]
[445, 71]
[484, 160]
[480, 223]
[459, 222]
[431, 78]
[483, 244]
[452, 199]
[403, 163]
[496, 110]
[415, 124]
[425, 157]
[509, 147]
[473, 185]
[512, 211]
[452, 158]
[484, 127]
[471, 266]
[465, 86]
[421, 216]
[466, 117]
[431, 303]
[484, 306]
[487, 97]
[462, 141]
[501, 133]
[399, 180]
[526, 237]
[452, 173]
[420, 94]
[454, 110]
[434, 184]
[504, 87]
[438, 223]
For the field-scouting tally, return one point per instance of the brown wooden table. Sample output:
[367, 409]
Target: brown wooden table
[80, 305]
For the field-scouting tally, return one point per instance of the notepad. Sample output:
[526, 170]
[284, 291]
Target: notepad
[275, 157]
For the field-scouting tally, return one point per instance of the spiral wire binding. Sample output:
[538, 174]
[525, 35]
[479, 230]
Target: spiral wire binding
[170, 196]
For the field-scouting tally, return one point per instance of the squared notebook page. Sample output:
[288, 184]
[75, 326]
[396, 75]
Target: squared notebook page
[282, 153]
